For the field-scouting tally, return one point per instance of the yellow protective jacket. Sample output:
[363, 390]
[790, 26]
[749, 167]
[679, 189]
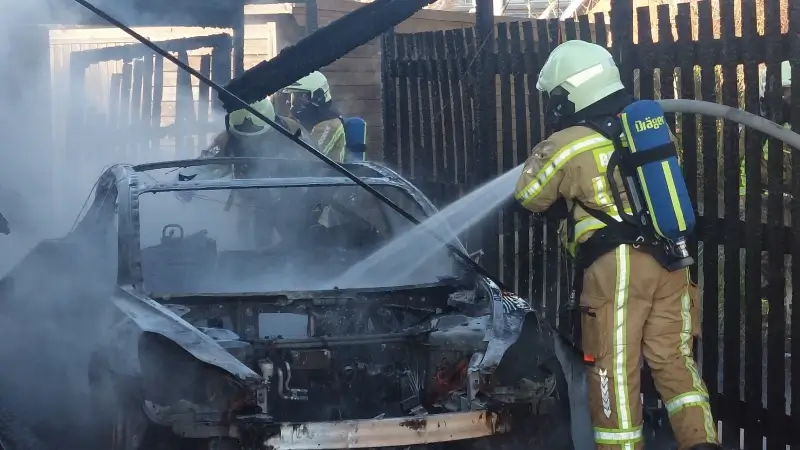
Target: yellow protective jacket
[328, 136]
[572, 164]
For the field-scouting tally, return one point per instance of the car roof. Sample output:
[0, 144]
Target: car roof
[280, 172]
[285, 167]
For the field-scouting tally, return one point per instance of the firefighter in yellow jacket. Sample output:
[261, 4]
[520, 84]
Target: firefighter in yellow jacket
[630, 305]
[247, 135]
[312, 106]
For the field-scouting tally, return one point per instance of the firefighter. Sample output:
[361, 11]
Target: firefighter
[247, 135]
[630, 305]
[312, 106]
[781, 116]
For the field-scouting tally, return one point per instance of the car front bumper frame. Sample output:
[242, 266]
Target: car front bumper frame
[389, 432]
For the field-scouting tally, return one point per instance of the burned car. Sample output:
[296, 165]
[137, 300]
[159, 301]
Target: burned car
[237, 326]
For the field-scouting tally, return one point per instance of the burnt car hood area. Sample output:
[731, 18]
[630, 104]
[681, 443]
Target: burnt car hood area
[451, 359]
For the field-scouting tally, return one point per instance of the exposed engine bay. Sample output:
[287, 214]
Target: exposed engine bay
[340, 357]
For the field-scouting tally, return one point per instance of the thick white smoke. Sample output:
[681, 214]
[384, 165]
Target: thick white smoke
[54, 318]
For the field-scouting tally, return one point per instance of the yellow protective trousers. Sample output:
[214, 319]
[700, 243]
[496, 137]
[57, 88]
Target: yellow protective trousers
[631, 306]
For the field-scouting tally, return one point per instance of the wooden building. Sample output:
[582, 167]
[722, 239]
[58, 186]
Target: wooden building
[355, 79]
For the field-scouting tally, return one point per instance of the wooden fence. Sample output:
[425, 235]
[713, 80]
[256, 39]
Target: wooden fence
[460, 109]
[134, 107]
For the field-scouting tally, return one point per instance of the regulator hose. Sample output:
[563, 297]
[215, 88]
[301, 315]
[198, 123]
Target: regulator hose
[766, 126]
[319, 49]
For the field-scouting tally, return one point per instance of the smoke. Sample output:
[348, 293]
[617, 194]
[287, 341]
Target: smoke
[54, 298]
[272, 240]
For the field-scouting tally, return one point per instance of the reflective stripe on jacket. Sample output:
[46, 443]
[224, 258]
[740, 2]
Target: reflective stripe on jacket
[328, 136]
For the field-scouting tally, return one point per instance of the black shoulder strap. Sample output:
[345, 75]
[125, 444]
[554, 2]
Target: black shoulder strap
[611, 128]
[596, 213]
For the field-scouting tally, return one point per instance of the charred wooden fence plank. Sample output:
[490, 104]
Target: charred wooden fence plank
[776, 316]
[731, 353]
[389, 96]
[753, 352]
[504, 69]
[794, 59]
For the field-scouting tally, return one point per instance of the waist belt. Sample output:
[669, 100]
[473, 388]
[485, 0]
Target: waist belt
[602, 241]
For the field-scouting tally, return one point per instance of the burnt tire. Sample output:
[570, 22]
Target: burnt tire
[14, 435]
[132, 430]
[547, 430]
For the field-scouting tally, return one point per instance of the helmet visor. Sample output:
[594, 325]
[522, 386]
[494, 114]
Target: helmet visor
[298, 99]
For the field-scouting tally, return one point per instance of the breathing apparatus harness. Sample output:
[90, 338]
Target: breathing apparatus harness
[662, 214]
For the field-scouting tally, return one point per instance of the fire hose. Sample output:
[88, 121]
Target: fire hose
[766, 126]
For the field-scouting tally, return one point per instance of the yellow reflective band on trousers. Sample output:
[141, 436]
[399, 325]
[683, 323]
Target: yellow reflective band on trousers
[632, 308]
[617, 437]
[709, 426]
[557, 162]
[620, 342]
[686, 400]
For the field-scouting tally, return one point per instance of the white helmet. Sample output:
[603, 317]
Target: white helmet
[578, 74]
[315, 85]
[243, 123]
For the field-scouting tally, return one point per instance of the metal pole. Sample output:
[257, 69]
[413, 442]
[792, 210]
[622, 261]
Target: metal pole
[485, 152]
[312, 21]
[238, 40]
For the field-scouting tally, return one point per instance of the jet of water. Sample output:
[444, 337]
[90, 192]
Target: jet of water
[399, 261]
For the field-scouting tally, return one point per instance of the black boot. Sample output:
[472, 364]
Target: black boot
[705, 446]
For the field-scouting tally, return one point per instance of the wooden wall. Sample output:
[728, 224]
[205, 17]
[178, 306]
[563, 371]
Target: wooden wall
[356, 78]
[63, 42]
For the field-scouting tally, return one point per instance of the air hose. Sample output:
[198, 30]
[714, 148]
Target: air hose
[754, 121]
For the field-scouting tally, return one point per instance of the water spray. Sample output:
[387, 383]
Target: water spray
[232, 100]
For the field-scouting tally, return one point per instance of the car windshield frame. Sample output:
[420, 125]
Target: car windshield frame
[129, 222]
